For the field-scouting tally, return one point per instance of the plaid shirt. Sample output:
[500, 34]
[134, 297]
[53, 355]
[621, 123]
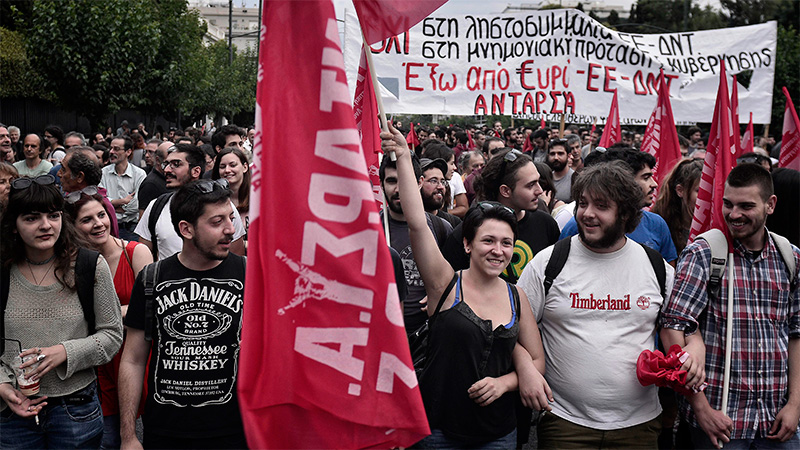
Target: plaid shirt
[766, 316]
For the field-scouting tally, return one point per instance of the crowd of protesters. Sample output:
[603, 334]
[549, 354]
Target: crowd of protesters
[541, 264]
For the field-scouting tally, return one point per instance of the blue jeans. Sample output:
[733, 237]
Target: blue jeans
[700, 440]
[438, 440]
[62, 424]
[111, 437]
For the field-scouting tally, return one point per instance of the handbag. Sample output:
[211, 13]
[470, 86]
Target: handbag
[418, 340]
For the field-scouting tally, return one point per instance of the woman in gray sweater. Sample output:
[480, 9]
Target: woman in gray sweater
[44, 313]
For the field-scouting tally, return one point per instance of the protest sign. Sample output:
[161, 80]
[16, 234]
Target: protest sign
[540, 64]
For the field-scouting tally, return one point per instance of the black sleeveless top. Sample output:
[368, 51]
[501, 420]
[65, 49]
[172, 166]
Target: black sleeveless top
[463, 350]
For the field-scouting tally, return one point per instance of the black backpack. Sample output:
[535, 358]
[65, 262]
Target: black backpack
[561, 252]
[85, 268]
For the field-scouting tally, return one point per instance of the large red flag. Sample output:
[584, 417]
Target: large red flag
[382, 19]
[748, 139]
[412, 137]
[737, 140]
[611, 132]
[718, 163]
[790, 143]
[365, 112]
[661, 137]
[325, 360]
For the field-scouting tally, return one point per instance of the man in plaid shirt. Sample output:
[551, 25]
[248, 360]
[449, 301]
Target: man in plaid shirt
[764, 401]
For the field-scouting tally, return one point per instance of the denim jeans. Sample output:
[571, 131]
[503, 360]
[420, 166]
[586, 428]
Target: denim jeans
[111, 437]
[437, 440]
[61, 425]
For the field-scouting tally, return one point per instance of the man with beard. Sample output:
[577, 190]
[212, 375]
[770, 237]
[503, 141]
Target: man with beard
[196, 299]
[652, 230]
[511, 179]
[596, 316]
[432, 188]
[558, 159]
[413, 314]
[182, 166]
[764, 399]
[539, 140]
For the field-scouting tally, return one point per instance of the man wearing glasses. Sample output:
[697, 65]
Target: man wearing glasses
[183, 165]
[122, 180]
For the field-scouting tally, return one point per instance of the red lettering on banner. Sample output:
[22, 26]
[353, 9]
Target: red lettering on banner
[591, 76]
[555, 109]
[525, 70]
[528, 104]
[569, 102]
[514, 97]
[608, 78]
[498, 102]
[480, 105]
[639, 84]
[541, 97]
[410, 75]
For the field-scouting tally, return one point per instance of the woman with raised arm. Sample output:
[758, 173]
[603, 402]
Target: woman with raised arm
[476, 322]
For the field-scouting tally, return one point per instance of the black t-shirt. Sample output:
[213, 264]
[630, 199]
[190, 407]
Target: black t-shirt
[191, 386]
[152, 187]
[535, 232]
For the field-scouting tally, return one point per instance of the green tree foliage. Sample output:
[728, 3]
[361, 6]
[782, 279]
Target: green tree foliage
[17, 78]
[94, 55]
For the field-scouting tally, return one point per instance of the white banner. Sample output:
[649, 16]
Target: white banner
[557, 62]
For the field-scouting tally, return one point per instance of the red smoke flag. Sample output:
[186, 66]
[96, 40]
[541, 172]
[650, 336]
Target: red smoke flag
[471, 142]
[365, 112]
[790, 143]
[718, 163]
[737, 140]
[748, 138]
[412, 138]
[611, 132]
[661, 137]
[325, 360]
[382, 19]
[543, 124]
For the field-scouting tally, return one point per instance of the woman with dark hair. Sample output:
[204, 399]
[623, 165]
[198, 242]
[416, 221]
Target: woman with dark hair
[676, 199]
[34, 164]
[125, 259]
[558, 209]
[477, 322]
[45, 315]
[231, 164]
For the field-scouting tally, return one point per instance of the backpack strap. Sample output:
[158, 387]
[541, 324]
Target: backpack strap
[719, 257]
[657, 261]
[150, 280]
[85, 270]
[556, 263]
[785, 249]
[155, 213]
[5, 281]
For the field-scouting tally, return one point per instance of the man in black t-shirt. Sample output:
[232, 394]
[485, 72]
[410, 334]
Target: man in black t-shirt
[196, 302]
[511, 179]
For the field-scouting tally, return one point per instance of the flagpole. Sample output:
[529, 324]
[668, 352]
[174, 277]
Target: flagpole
[376, 86]
[726, 377]
[561, 127]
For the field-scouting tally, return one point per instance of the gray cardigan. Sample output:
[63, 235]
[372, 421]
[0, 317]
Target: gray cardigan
[44, 316]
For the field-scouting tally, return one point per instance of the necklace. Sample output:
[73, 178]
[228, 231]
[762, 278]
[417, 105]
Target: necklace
[40, 263]
[39, 282]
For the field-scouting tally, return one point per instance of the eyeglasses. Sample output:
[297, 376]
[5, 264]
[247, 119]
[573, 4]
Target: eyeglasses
[488, 206]
[207, 186]
[73, 197]
[435, 182]
[175, 163]
[511, 156]
[25, 182]
[752, 159]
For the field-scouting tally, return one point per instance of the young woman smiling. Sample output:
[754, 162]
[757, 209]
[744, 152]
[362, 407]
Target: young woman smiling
[231, 164]
[125, 259]
[475, 358]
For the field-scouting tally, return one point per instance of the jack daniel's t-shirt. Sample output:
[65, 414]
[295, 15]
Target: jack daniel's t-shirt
[195, 349]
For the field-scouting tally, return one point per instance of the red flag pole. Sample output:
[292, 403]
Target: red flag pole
[376, 86]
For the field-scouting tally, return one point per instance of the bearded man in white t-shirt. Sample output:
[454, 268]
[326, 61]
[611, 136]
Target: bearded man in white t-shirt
[596, 318]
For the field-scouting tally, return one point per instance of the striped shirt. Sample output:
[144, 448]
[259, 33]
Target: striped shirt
[766, 315]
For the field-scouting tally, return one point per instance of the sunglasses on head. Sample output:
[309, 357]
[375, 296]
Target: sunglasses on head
[488, 206]
[73, 197]
[509, 157]
[25, 182]
[207, 186]
[752, 159]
